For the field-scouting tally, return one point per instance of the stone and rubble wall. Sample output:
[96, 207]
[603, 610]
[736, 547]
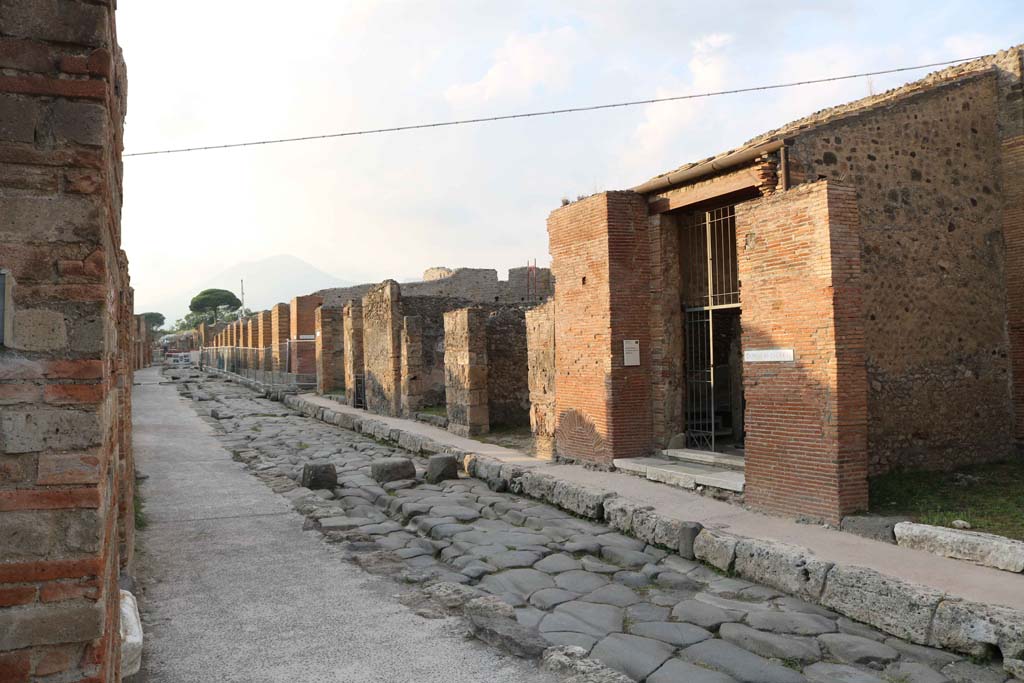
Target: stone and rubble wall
[465, 360]
[508, 386]
[540, 353]
[352, 342]
[330, 350]
[930, 197]
[66, 469]
[427, 383]
[382, 351]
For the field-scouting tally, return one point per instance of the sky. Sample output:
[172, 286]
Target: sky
[363, 209]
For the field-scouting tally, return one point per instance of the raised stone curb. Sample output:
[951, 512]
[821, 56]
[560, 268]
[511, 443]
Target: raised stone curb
[984, 549]
[901, 608]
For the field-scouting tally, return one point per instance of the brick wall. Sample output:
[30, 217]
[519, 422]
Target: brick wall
[806, 420]
[465, 362]
[508, 386]
[302, 333]
[330, 350]
[603, 408]
[66, 470]
[540, 352]
[352, 340]
[261, 339]
[928, 181]
[1013, 231]
[382, 353]
[280, 328]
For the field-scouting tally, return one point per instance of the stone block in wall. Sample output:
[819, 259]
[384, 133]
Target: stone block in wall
[352, 341]
[413, 381]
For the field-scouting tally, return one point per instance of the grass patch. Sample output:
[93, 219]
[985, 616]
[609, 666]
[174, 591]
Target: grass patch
[302, 446]
[989, 497]
[140, 513]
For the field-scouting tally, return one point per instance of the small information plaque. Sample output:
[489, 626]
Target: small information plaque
[768, 355]
[630, 352]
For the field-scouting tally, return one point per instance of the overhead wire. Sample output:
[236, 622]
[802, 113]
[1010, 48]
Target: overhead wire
[549, 112]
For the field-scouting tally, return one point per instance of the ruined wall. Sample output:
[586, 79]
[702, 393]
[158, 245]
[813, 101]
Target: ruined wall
[66, 469]
[508, 386]
[302, 334]
[382, 352]
[604, 407]
[352, 342]
[412, 370]
[540, 352]
[330, 351]
[927, 177]
[806, 419]
[280, 328]
[465, 360]
[429, 311]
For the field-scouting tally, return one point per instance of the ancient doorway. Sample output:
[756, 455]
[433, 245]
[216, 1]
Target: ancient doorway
[711, 331]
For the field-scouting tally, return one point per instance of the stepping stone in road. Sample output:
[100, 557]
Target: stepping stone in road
[319, 477]
[634, 656]
[441, 467]
[392, 469]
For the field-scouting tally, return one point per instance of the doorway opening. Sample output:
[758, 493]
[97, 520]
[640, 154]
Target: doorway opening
[711, 331]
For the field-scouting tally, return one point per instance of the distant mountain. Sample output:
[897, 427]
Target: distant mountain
[268, 281]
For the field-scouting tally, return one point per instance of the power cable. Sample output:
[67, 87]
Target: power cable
[550, 112]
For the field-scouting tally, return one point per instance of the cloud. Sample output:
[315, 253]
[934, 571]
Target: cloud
[524, 65]
[657, 139]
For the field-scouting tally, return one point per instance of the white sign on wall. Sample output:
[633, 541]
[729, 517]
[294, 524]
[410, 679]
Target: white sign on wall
[768, 355]
[630, 352]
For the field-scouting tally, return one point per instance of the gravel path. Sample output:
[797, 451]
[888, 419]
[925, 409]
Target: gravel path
[636, 608]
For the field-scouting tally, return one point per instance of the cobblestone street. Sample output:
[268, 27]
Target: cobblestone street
[635, 608]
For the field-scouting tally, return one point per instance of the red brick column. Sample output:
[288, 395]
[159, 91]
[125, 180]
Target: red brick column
[806, 419]
[330, 370]
[66, 468]
[280, 327]
[302, 333]
[600, 260]
[1013, 234]
[262, 340]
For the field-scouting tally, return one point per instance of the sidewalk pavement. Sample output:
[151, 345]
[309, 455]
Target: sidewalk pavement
[954, 577]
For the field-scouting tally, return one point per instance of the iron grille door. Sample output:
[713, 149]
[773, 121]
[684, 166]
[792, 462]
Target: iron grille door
[710, 283]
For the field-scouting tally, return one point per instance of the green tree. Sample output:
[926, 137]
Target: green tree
[214, 301]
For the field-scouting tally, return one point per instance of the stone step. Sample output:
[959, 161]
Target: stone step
[690, 455]
[683, 475]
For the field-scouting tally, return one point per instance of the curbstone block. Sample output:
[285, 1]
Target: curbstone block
[715, 548]
[786, 567]
[975, 628]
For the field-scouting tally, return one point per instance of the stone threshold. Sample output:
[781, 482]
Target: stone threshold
[904, 609]
[685, 475]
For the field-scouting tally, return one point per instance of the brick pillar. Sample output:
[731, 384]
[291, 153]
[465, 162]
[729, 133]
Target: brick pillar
[302, 332]
[465, 371]
[68, 344]
[352, 341]
[806, 419]
[280, 327]
[330, 350]
[600, 261]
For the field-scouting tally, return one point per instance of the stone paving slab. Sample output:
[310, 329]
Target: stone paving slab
[630, 604]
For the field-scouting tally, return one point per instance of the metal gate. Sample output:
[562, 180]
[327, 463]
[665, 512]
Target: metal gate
[710, 283]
